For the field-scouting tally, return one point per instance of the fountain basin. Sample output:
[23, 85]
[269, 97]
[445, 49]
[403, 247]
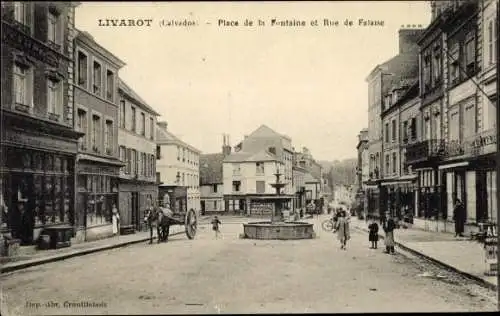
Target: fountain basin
[278, 231]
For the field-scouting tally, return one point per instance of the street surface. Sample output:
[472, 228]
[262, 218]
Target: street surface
[233, 275]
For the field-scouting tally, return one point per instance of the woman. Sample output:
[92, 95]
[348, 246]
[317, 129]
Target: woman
[389, 227]
[342, 229]
[115, 220]
[373, 235]
[459, 215]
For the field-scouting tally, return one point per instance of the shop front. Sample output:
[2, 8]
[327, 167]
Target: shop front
[97, 192]
[177, 197]
[37, 171]
[134, 198]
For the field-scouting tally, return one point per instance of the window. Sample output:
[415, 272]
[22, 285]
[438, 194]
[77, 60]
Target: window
[122, 113]
[129, 161]
[436, 66]
[470, 54]
[469, 124]
[158, 152]
[143, 124]
[133, 162]
[53, 30]
[82, 127]
[133, 120]
[183, 154]
[82, 69]
[454, 127]
[144, 164]
[426, 71]
[178, 153]
[427, 128]
[158, 177]
[215, 205]
[183, 179]
[413, 128]
[491, 42]
[394, 130]
[387, 164]
[21, 12]
[139, 164]
[151, 128]
[454, 63]
[123, 153]
[108, 137]
[236, 186]
[394, 163]
[21, 85]
[96, 133]
[260, 187]
[110, 85]
[386, 132]
[97, 75]
[236, 168]
[259, 168]
[54, 97]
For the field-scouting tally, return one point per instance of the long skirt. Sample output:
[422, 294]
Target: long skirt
[389, 239]
[115, 225]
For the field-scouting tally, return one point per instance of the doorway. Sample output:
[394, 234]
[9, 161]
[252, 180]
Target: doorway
[135, 210]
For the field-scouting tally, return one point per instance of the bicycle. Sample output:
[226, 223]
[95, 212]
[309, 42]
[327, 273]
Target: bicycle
[328, 225]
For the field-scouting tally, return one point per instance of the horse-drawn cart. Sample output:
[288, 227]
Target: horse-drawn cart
[164, 218]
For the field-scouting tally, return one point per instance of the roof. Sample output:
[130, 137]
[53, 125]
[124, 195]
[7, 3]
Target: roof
[263, 138]
[309, 178]
[164, 137]
[402, 67]
[211, 168]
[88, 39]
[125, 88]
[262, 155]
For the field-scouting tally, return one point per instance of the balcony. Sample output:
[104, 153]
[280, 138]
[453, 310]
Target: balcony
[54, 45]
[425, 150]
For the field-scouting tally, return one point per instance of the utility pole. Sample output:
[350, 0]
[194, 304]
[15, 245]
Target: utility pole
[498, 146]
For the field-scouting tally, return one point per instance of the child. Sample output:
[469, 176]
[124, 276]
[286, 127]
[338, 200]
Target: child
[373, 235]
[215, 226]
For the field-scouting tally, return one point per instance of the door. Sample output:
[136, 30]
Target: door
[202, 203]
[135, 210]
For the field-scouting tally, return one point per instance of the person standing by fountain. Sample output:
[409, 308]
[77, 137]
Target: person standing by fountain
[342, 229]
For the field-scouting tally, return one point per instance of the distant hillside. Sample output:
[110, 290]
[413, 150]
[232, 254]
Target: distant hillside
[340, 172]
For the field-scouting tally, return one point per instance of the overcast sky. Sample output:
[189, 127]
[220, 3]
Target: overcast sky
[205, 80]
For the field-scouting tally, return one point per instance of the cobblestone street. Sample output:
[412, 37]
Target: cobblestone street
[232, 275]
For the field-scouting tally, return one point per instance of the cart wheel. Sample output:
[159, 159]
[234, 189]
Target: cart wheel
[191, 224]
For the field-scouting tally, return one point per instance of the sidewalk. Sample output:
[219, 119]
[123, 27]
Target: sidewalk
[39, 257]
[461, 255]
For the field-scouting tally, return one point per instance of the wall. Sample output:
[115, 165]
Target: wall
[248, 177]
[138, 110]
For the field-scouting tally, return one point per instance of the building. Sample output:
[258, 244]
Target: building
[177, 170]
[211, 179]
[455, 157]
[137, 150]
[96, 115]
[299, 185]
[398, 183]
[362, 171]
[382, 78]
[315, 186]
[250, 169]
[38, 142]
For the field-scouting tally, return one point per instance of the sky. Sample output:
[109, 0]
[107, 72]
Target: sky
[206, 80]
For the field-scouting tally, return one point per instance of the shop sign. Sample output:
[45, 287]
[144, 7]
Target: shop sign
[491, 256]
[17, 39]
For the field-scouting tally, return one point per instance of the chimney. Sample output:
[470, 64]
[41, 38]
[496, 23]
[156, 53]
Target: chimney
[408, 40]
[162, 124]
[226, 148]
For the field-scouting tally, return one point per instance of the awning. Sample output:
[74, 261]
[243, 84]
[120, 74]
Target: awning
[454, 165]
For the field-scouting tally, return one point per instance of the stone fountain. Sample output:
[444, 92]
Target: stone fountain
[277, 228]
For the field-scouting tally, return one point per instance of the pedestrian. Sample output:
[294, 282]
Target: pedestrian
[342, 229]
[459, 218]
[115, 220]
[215, 226]
[373, 233]
[389, 227]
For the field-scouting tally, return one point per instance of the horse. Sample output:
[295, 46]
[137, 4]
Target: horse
[156, 217]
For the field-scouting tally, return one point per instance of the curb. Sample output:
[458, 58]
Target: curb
[472, 277]
[36, 262]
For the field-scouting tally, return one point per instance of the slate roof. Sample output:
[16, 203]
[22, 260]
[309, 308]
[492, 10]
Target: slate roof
[164, 137]
[211, 168]
[132, 94]
[403, 67]
[241, 156]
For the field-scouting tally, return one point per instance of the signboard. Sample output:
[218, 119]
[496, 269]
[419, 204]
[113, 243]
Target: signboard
[491, 256]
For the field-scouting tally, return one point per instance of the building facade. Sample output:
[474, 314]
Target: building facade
[247, 182]
[362, 172]
[138, 189]
[299, 185]
[96, 115]
[211, 179]
[381, 80]
[455, 158]
[315, 186]
[177, 170]
[38, 143]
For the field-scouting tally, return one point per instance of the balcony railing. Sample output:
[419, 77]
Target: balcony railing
[425, 150]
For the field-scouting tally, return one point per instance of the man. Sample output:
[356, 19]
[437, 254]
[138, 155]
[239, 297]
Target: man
[459, 218]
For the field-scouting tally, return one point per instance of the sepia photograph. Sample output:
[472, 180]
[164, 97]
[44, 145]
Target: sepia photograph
[249, 157]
